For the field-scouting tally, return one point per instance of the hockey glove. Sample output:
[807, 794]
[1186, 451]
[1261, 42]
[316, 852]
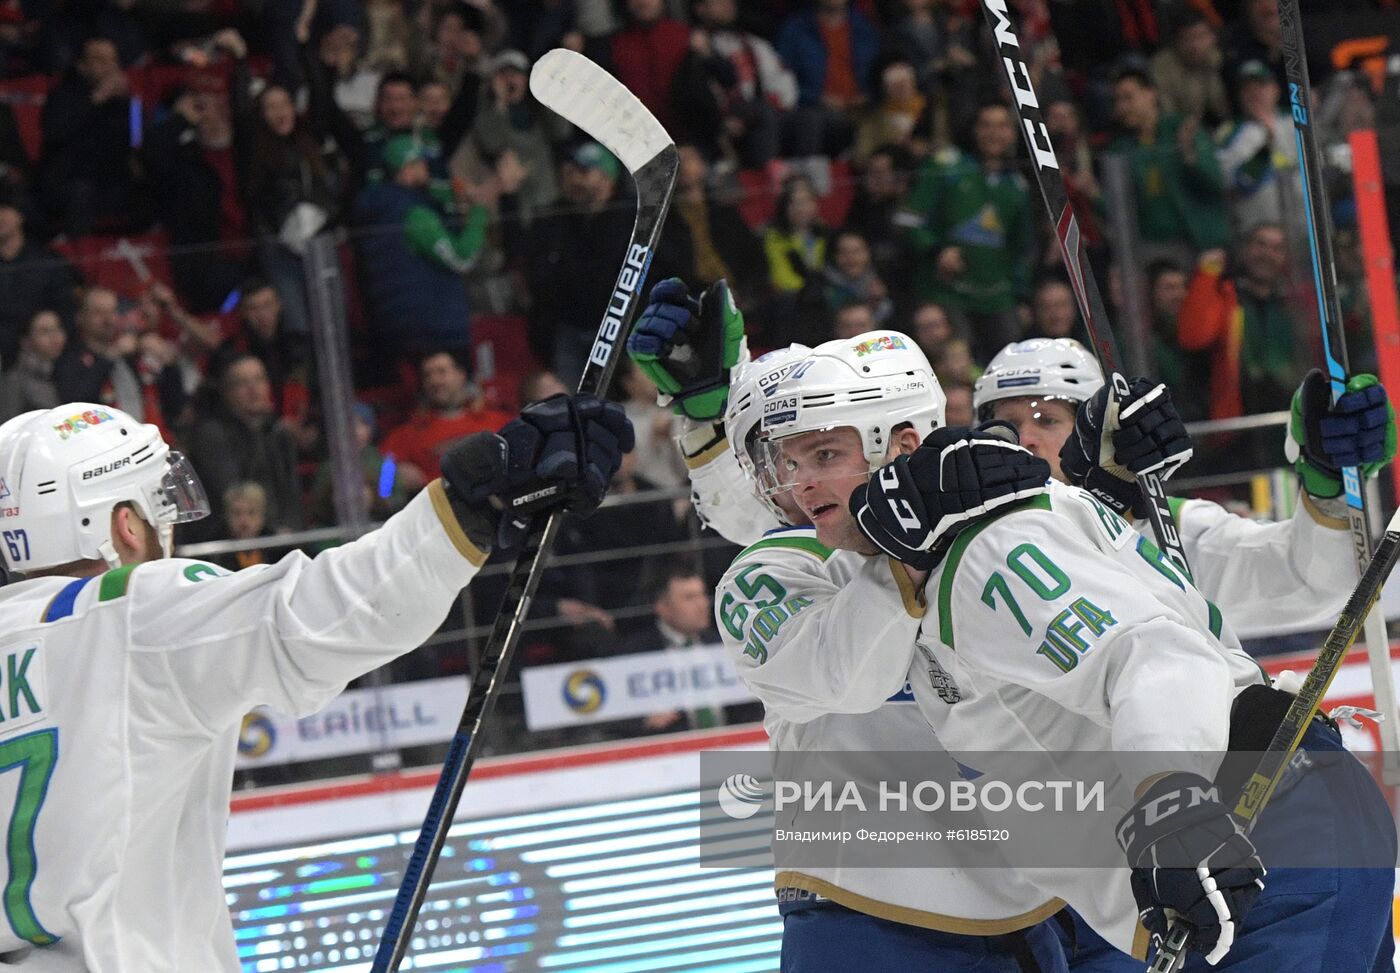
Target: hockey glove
[1190, 861]
[913, 507]
[688, 346]
[1115, 440]
[1359, 430]
[560, 454]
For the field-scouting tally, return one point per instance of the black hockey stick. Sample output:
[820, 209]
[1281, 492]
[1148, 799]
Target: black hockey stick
[599, 104]
[1334, 351]
[1081, 276]
[1274, 761]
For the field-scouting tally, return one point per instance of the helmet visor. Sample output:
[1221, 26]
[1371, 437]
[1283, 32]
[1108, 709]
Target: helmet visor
[816, 456]
[180, 497]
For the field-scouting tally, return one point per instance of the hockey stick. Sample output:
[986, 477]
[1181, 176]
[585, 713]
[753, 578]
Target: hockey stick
[1081, 275]
[599, 104]
[1334, 352]
[1274, 761]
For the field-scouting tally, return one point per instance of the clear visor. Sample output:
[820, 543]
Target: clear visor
[180, 498]
[817, 457]
[1033, 402]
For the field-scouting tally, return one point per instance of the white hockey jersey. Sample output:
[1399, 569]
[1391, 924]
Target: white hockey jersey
[788, 594]
[1267, 576]
[1260, 570]
[1053, 627]
[122, 702]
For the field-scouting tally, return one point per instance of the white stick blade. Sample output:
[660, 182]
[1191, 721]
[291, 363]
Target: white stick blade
[568, 83]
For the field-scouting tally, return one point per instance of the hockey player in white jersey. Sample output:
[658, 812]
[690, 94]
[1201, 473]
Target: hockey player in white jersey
[837, 915]
[821, 460]
[128, 671]
[1266, 577]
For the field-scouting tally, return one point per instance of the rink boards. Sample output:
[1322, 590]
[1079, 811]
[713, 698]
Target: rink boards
[580, 860]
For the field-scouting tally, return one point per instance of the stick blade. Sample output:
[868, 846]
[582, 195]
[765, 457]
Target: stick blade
[571, 85]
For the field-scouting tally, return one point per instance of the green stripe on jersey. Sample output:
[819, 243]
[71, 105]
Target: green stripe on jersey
[808, 545]
[1174, 504]
[955, 553]
[113, 583]
[1217, 621]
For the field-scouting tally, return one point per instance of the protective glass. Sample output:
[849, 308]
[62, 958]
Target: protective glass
[817, 456]
[180, 498]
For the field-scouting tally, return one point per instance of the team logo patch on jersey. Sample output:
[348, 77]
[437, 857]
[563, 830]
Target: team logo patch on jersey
[938, 677]
[887, 342]
[83, 420]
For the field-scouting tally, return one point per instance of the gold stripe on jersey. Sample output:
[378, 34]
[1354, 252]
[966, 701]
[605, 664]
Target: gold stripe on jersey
[443, 508]
[913, 597]
[917, 917]
[708, 453]
[1323, 520]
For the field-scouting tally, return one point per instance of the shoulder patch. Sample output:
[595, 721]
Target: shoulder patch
[955, 553]
[805, 543]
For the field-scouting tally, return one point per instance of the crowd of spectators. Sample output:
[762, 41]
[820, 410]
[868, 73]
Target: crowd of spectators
[845, 165]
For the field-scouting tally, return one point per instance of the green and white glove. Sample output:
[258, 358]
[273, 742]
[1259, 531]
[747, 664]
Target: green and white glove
[689, 346]
[1323, 437]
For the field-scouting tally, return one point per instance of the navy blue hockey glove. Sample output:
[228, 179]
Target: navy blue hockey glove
[913, 507]
[687, 346]
[1116, 440]
[1191, 859]
[560, 454]
[1359, 430]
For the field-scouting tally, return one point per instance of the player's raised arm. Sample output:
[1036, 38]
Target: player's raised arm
[290, 634]
[693, 349]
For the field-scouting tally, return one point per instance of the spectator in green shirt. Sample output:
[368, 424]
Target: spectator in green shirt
[967, 221]
[1180, 191]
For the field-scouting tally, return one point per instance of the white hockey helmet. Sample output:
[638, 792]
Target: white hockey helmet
[63, 470]
[750, 386]
[873, 383]
[1041, 368]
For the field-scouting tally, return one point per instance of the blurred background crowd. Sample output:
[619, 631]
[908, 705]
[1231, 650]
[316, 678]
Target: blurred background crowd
[167, 166]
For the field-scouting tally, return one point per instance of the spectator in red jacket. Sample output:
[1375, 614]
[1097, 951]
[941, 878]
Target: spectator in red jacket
[1239, 313]
[453, 407]
[648, 52]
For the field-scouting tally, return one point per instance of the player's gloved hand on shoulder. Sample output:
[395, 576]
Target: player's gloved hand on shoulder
[1190, 858]
[1358, 430]
[560, 454]
[1115, 440]
[687, 346]
[913, 507]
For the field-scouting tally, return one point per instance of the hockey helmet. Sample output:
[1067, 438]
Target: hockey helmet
[63, 470]
[1041, 368]
[872, 383]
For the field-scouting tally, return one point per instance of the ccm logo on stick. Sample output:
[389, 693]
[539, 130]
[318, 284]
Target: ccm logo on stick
[1020, 77]
[632, 273]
